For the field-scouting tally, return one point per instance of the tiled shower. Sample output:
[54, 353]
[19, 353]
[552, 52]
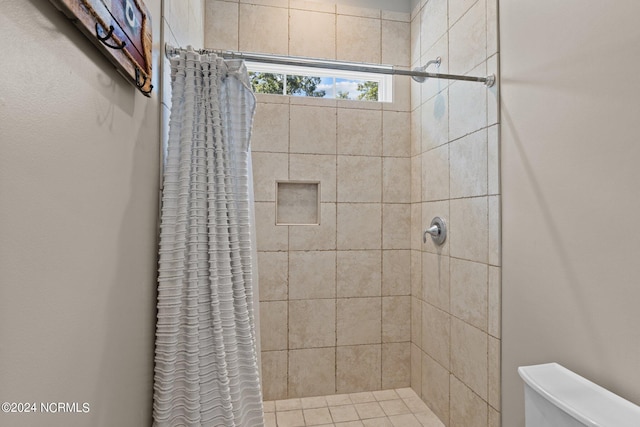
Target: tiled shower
[359, 303]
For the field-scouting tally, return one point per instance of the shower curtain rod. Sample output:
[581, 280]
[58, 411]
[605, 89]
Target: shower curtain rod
[418, 74]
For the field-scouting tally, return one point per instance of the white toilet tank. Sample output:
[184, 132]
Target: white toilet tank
[556, 397]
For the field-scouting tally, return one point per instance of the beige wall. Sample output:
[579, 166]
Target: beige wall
[570, 182]
[455, 308]
[78, 208]
[335, 297]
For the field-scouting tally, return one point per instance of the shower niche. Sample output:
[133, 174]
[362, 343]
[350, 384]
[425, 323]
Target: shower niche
[297, 203]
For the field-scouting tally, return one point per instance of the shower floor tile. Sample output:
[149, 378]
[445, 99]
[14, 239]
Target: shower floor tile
[384, 408]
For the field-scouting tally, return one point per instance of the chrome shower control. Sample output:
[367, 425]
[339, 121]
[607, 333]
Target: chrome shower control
[437, 230]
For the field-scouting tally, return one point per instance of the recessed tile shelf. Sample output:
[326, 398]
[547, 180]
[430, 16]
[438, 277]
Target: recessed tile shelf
[297, 203]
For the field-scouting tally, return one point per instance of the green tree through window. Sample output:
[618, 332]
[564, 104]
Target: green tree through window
[368, 91]
[296, 85]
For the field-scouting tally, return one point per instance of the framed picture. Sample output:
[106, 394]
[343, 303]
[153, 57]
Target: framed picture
[121, 29]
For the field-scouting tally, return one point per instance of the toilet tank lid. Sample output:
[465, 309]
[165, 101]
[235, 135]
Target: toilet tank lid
[589, 403]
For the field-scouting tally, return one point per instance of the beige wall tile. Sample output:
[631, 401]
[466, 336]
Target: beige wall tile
[177, 17]
[492, 27]
[273, 270]
[433, 23]
[359, 273]
[274, 3]
[396, 226]
[273, 325]
[359, 132]
[493, 152]
[312, 237]
[391, 15]
[396, 180]
[313, 130]
[436, 333]
[269, 236]
[468, 165]
[359, 321]
[467, 108]
[416, 369]
[396, 133]
[494, 372]
[396, 48]
[312, 34]
[366, 12]
[401, 94]
[396, 365]
[416, 321]
[435, 280]
[274, 375]
[312, 323]
[468, 229]
[359, 226]
[457, 8]
[311, 101]
[469, 292]
[312, 372]
[267, 169]
[269, 98]
[358, 368]
[469, 356]
[312, 274]
[359, 179]
[415, 88]
[416, 131]
[416, 30]
[221, 25]
[495, 297]
[435, 174]
[312, 5]
[396, 272]
[416, 274]
[273, 22]
[270, 128]
[468, 41]
[494, 417]
[493, 93]
[435, 121]
[354, 104]
[396, 316]
[358, 39]
[315, 167]
[494, 230]
[467, 409]
[435, 388]
[416, 228]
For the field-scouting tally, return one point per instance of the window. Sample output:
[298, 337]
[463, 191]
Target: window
[319, 82]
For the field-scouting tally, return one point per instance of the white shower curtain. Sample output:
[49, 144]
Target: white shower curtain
[206, 364]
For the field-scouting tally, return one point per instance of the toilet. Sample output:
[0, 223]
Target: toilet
[556, 397]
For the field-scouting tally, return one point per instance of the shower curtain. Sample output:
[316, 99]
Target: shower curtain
[206, 363]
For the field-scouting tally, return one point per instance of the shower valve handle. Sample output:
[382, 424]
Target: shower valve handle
[437, 230]
[434, 230]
